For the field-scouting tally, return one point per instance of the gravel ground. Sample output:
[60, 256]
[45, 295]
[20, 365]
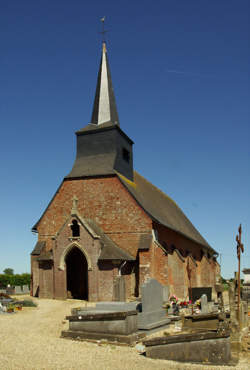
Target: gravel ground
[30, 339]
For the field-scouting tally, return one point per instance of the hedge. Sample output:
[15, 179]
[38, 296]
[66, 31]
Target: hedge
[14, 280]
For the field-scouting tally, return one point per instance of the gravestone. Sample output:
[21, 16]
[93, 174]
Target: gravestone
[119, 289]
[204, 305]
[18, 290]
[10, 290]
[26, 289]
[152, 315]
[165, 292]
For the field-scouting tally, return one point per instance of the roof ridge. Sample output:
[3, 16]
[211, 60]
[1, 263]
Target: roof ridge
[130, 182]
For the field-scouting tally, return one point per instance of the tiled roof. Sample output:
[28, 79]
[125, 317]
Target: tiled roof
[110, 250]
[161, 208]
[38, 248]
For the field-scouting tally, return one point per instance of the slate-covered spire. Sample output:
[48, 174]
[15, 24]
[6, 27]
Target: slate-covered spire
[104, 109]
[103, 149]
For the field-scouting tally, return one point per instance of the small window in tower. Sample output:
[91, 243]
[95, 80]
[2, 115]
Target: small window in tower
[125, 155]
[75, 228]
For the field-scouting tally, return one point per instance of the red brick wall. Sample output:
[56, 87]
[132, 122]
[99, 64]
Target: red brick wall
[205, 271]
[160, 265]
[193, 265]
[170, 237]
[106, 201]
[175, 273]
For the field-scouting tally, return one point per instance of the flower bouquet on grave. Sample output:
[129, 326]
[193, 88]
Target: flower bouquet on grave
[18, 307]
[173, 300]
[198, 304]
[183, 304]
[10, 308]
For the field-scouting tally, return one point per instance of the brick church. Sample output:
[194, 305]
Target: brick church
[106, 221]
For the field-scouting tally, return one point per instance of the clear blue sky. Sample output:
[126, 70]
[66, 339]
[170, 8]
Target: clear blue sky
[180, 72]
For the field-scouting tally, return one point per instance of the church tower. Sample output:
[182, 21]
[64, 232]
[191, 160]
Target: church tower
[102, 147]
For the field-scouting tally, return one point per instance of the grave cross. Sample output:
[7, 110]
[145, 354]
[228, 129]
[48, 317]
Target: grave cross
[240, 248]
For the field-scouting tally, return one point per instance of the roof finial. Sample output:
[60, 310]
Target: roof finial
[103, 32]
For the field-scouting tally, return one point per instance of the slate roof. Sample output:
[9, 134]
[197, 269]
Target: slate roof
[99, 150]
[104, 109]
[161, 208]
[38, 248]
[145, 241]
[110, 250]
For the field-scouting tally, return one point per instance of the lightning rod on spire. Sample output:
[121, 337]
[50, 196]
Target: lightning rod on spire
[103, 32]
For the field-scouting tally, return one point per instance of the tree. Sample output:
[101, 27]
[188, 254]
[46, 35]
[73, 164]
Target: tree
[8, 271]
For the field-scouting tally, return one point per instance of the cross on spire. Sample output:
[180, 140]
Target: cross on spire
[103, 32]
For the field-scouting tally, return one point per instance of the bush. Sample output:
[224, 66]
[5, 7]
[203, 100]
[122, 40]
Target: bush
[27, 303]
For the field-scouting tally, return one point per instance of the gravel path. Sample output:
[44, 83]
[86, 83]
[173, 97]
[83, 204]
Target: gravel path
[30, 339]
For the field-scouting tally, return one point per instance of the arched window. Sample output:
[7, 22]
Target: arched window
[75, 228]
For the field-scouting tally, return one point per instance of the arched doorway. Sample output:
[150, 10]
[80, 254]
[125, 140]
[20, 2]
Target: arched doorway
[77, 274]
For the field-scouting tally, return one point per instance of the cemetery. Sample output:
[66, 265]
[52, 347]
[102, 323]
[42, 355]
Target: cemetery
[203, 331]
[160, 326]
[10, 304]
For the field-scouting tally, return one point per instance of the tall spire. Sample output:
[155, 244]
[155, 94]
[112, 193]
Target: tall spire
[104, 109]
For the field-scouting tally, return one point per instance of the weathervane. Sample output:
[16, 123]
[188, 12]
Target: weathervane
[103, 32]
[240, 249]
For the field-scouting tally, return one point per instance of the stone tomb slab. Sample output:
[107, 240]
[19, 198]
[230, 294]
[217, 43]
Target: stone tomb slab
[152, 315]
[97, 324]
[107, 307]
[207, 347]
[208, 321]
[117, 306]
[130, 339]
[104, 322]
